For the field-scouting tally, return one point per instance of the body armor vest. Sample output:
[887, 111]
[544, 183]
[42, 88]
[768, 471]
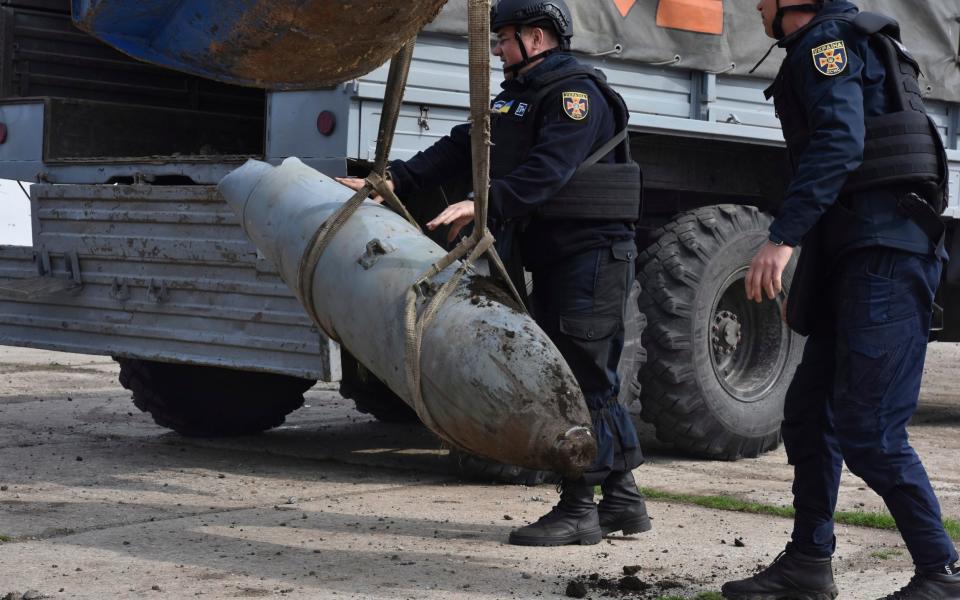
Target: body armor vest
[600, 191]
[902, 147]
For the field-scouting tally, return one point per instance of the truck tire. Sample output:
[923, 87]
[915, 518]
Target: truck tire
[199, 401]
[370, 395]
[718, 366]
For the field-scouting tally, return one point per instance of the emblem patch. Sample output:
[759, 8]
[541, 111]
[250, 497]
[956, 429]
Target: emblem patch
[502, 106]
[830, 59]
[521, 109]
[576, 105]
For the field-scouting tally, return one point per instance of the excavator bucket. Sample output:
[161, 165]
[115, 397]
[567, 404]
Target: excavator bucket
[272, 44]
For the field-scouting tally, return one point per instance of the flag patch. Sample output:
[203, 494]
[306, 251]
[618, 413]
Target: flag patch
[576, 105]
[830, 59]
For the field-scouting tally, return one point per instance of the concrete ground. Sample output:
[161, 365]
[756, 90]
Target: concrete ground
[98, 502]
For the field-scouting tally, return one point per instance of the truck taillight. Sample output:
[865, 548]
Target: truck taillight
[326, 123]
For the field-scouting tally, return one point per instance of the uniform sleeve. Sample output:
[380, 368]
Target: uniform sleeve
[449, 157]
[564, 141]
[835, 114]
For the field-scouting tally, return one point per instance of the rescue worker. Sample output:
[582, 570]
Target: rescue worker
[564, 199]
[869, 183]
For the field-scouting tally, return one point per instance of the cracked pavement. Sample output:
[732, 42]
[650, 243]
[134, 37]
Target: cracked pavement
[98, 502]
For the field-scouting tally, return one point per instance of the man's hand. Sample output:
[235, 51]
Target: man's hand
[457, 216]
[766, 270]
[355, 183]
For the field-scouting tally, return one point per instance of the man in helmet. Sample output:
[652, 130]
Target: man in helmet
[564, 199]
[869, 182]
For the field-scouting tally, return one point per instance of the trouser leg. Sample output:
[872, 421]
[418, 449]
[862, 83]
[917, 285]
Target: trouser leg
[883, 322]
[580, 304]
[812, 447]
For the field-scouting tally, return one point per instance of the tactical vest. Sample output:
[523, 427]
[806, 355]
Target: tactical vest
[597, 191]
[902, 147]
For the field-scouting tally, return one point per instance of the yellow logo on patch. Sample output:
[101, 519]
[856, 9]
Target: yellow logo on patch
[576, 105]
[830, 59]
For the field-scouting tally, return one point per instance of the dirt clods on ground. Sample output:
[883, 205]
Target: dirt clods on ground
[28, 595]
[628, 586]
[576, 589]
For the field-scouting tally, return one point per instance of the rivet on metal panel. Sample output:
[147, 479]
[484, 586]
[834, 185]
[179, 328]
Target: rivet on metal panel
[119, 290]
[157, 294]
[375, 249]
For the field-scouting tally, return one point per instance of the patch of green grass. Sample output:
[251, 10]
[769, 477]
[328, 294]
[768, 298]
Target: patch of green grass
[5, 538]
[865, 519]
[886, 553]
[953, 528]
[727, 503]
[873, 520]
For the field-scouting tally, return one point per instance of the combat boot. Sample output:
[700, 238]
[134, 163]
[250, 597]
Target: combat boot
[622, 507]
[929, 586]
[791, 576]
[573, 520]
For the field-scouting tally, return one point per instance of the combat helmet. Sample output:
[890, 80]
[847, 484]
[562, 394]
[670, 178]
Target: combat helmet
[520, 13]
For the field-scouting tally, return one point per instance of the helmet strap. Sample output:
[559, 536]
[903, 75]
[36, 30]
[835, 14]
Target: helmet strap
[514, 69]
[782, 11]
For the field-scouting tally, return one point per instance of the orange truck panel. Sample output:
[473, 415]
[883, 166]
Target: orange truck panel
[700, 16]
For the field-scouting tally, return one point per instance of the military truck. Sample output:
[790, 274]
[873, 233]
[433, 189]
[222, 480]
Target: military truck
[134, 256]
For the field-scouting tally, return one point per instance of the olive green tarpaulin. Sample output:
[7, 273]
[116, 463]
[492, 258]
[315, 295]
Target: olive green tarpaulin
[930, 30]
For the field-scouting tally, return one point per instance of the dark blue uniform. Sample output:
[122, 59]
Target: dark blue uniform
[582, 269]
[859, 381]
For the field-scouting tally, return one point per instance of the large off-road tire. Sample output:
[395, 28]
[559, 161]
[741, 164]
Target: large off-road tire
[370, 395]
[718, 365]
[198, 401]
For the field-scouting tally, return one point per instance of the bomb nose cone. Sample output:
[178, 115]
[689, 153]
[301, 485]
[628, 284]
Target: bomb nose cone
[573, 452]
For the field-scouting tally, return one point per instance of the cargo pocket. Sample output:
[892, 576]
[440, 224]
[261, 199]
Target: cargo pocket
[614, 278]
[589, 328]
[589, 343]
[875, 362]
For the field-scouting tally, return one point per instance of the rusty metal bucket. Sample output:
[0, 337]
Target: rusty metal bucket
[274, 44]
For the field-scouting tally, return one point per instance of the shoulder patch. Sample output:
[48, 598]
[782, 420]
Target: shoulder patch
[830, 59]
[576, 105]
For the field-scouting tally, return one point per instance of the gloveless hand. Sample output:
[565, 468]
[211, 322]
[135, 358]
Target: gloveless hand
[356, 183]
[457, 216]
[766, 271]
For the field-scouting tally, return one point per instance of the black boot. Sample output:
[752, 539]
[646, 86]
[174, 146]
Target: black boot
[622, 507]
[929, 586]
[573, 521]
[791, 576]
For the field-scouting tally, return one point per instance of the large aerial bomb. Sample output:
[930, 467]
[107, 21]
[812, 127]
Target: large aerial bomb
[275, 44]
[492, 382]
